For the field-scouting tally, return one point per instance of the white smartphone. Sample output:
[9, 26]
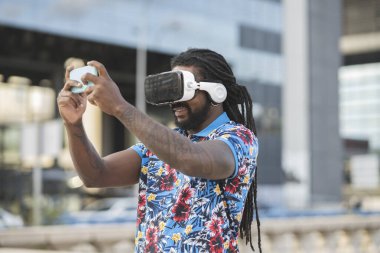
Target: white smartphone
[76, 74]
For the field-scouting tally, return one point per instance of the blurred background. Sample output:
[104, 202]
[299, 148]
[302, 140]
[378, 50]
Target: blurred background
[312, 68]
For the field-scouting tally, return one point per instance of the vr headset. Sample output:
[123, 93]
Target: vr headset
[175, 86]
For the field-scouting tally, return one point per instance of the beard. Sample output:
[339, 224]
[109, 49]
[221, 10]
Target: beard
[194, 119]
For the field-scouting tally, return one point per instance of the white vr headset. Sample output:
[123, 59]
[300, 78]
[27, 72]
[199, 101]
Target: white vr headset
[175, 86]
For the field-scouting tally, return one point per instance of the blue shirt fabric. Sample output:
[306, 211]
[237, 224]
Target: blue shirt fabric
[179, 213]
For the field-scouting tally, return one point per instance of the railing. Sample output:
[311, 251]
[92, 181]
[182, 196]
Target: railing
[338, 234]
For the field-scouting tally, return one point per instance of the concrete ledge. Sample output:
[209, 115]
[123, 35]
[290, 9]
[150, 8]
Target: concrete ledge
[65, 235]
[349, 233]
[14, 250]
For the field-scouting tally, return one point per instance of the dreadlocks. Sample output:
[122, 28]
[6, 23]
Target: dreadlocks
[238, 106]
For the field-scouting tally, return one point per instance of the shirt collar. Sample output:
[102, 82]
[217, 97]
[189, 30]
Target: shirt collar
[220, 120]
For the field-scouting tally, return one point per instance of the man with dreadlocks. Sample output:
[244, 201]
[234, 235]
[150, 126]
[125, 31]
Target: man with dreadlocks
[197, 183]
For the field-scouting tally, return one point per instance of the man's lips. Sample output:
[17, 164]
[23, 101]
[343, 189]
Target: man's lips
[179, 111]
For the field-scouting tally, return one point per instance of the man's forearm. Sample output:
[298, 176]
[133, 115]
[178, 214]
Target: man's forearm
[169, 146]
[85, 158]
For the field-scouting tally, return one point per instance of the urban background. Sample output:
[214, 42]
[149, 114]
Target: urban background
[312, 68]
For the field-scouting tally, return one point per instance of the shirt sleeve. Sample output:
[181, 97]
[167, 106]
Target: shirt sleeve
[140, 149]
[242, 143]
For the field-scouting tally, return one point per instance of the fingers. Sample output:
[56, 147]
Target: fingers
[90, 78]
[84, 79]
[67, 97]
[71, 83]
[67, 74]
[89, 90]
[92, 101]
[90, 95]
[100, 67]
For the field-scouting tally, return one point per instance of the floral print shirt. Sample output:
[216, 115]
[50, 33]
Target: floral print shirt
[179, 213]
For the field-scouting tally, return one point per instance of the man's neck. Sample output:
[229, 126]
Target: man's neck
[213, 115]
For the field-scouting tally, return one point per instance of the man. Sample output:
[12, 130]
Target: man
[196, 183]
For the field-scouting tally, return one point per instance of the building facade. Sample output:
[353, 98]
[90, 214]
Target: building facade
[311, 144]
[360, 73]
[40, 35]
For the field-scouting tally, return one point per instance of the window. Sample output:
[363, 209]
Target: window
[255, 38]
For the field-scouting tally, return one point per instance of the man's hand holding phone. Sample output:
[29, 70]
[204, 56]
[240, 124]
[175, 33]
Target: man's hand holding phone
[72, 105]
[77, 74]
[105, 93]
[90, 83]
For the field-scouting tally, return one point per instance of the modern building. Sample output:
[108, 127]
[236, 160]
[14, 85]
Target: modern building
[312, 149]
[360, 73]
[360, 103]
[359, 94]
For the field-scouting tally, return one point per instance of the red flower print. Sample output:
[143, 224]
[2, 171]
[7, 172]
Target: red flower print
[142, 200]
[185, 194]
[141, 207]
[151, 235]
[151, 239]
[245, 135]
[233, 185]
[167, 182]
[181, 211]
[167, 167]
[242, 171]
[232, 245]
[151, 248]
[216, 244]
[215, 225]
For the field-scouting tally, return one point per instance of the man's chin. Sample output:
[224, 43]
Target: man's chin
[179, 123]
[180, 120]
[184, 124]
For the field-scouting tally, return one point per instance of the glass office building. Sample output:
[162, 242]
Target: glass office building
[359, 94]
[360, 75]
[360, 103]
